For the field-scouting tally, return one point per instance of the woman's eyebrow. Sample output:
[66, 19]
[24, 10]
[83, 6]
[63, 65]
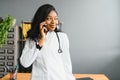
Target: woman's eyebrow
[52, 16]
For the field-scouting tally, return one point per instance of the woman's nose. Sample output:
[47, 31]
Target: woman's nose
[53, 21]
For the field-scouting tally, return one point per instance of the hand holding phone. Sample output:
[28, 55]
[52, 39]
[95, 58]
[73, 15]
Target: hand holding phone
[43, 29]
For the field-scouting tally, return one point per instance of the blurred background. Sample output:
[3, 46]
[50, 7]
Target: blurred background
[93, 28]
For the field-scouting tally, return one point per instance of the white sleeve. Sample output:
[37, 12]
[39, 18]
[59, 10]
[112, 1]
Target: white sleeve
[29, 53]
[66, 58]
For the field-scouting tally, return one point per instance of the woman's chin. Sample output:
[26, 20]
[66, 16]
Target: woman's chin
[51, 29]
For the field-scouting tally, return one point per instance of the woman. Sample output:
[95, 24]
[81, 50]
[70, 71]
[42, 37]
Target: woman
[46, 48]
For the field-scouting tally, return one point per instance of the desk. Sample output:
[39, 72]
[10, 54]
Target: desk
[26, 76]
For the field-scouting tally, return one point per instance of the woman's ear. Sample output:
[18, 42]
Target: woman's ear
[58, 27]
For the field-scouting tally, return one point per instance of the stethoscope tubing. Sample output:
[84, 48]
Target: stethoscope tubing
[60, 49]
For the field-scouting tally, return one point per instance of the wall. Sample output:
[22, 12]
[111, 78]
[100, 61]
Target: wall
[92, 26]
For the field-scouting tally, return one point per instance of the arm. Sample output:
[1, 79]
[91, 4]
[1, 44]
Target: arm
[31, 49]
[29, 53]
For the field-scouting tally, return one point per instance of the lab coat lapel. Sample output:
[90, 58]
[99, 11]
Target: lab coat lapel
[51, 42]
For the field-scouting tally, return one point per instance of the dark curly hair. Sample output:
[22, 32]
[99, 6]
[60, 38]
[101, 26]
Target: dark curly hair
[40, 16]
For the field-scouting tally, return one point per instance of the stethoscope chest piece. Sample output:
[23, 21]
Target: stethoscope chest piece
[60, 51]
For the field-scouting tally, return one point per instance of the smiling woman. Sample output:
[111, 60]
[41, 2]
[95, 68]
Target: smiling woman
[47, 48]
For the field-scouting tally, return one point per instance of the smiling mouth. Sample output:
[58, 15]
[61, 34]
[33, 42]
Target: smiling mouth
[52, 26]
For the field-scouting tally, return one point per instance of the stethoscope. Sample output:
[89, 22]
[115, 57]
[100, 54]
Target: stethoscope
[59, 26]
[59, 49]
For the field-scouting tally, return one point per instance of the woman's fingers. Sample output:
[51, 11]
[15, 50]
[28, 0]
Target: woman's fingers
[43, 29]
[42, 24]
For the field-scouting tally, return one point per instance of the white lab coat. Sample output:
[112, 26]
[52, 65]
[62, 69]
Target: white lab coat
[48, 64]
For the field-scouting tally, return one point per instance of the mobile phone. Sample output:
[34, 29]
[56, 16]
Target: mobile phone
[46, 28]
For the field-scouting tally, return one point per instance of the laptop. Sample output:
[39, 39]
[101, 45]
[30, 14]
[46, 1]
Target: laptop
[85, 78]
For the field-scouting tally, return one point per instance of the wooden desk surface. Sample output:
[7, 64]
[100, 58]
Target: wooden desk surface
[26, 76]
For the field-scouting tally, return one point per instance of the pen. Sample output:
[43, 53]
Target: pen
[8, 69]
